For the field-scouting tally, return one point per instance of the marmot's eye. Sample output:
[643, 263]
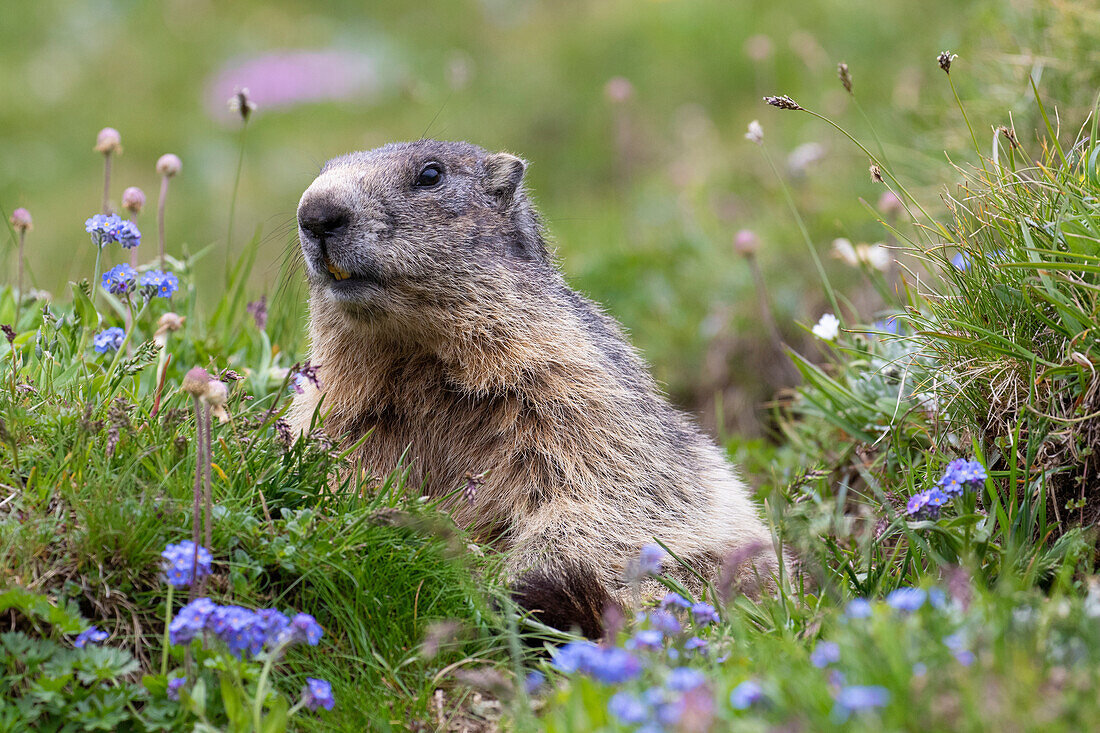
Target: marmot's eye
[430, 175]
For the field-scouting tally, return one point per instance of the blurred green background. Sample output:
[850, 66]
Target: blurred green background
[631, 112]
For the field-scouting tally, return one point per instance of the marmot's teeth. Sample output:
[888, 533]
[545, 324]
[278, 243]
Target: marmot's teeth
[338, 273]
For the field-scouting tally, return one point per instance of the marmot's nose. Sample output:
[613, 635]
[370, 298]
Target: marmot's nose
[323, 219]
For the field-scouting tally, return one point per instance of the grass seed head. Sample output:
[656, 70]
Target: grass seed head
[845, 76]
[944, 59]
[755, 133]
[783, 102]
[1010, 135]
[240, 103]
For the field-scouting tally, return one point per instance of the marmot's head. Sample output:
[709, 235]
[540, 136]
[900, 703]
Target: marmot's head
[412, 229]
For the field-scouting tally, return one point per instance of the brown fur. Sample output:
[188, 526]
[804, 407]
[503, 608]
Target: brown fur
[459, 343]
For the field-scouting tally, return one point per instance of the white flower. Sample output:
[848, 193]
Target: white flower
[805, 155]
[827, 328]
[755, 133]
[843, 249]
[874, 255]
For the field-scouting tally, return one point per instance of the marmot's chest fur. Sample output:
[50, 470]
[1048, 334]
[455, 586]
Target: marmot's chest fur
[441, 325]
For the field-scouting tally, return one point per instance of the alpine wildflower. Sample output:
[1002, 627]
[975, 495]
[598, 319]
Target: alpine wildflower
[704, 614]
[651, 559]
[957, 644]
[305, 374]
[175, 683]
[927, 504]
[168, 165]
[906, 599]
[133, 200]
[90, 634]
[166, 324]
[22, 222]
[216, 395]
[108, 142]
[856, 698]
[258, 310]
[573, 657]
[745, 242]
[234, 626]
[827, 328]
[304, 628]
[674, 599]
[109, 339]
[533, 681]
[683, 679]
[103, 228]
[962, 475]
[889, 324]
[317, 694]
[159, 284]
[119, 280]
[184, 564]
[646, 639]
[858, 608]
[890, 205]
[190, 621]
[824, 654]
[127, 234]
[746, 694]
[628, 708]
[613, 666]
[272, 625]
[665, 621]
[695, 644]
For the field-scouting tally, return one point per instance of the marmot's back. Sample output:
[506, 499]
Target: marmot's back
[440, 321]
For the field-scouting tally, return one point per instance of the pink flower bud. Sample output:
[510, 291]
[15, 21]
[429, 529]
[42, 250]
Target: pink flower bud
[745, 242]
[195, 381]
[21, 220]
[108, 141]
[169, 165]
[618, 89]
[133, 199]
[889, 204]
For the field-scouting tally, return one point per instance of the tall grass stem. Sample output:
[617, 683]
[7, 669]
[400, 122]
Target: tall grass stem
[233, 198]
[805, 232]
[160, 217]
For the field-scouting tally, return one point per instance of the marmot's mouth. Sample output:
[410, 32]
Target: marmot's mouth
[337, 272]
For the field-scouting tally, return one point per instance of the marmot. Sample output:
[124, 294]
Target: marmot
[441, 322]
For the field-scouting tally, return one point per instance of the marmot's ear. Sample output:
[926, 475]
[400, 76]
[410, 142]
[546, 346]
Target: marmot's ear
[503, 173]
